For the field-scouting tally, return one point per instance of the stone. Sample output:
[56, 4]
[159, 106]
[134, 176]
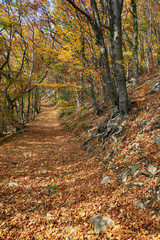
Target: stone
[106, 160]
[156, 116]
[50, 216]
[13, 184]
[101, 223]
[143, 123]
[44, 172]
[106, 180]
[46, 191]
[140, 134]
[152, 169]
[156, 87]
[136, 145]
[123, 123]
[31, 223]
[139, 204]
[42, 228]
[134, 168]
[133, 80]
[124, 176]
[100, 128]
[110, 222]
[62, 209]
[148, 129]
[139, 184]
[110, 154]
[70, 229]
[155, 139]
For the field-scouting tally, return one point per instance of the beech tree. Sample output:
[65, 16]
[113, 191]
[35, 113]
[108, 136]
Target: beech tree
[119, 98]
[75, 47]
[23, 64]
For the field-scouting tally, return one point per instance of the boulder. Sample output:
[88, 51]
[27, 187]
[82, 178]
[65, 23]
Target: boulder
[106, 180]
[101, 223]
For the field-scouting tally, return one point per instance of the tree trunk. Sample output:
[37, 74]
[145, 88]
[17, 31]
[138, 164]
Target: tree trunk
[92, 97]
[135, 36]
[118, 58]
[106, 77]
[150, 31]
[147, 54]
[28, 106]
[158, 36]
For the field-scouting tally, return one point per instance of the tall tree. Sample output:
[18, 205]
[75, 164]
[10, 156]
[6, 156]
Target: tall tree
[135, 36]
[119, 99]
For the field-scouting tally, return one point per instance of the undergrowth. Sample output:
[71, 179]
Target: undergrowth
[73, 118]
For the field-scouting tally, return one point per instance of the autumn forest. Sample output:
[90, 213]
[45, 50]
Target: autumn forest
[79, 119]
[85, 51]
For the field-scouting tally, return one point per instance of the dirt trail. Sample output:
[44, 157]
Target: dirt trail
[49, 188]
[30, 162]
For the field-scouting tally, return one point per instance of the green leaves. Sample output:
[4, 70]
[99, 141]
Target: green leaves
[54, 186]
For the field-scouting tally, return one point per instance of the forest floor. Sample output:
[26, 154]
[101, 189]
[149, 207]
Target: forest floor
[50, 186]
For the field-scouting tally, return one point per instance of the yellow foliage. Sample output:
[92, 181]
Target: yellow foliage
[65, 56]
[127, 54]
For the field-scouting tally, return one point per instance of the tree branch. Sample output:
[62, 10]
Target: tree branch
[80, 10]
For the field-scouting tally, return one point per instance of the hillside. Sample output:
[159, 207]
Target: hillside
[53, 181]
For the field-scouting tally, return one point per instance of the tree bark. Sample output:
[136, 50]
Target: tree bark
[135, 36]
[118, 58]
[97, 28]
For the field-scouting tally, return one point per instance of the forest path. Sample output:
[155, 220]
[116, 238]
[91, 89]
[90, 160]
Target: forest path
[50, 187]
[31, 164]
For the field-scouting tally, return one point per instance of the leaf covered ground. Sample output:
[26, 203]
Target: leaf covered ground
[50, 186]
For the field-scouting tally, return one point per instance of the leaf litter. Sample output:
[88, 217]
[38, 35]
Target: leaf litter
[50, 187]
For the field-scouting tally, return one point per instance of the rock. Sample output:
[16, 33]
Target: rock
[13, 184]
[100, 128]
[110, 222]
[44, 171]
[143, 123]
[50, 216]
[106, 180]
[140, 134]
[62, 209]
[101, 223]
[106, 160]
[103, 168]
[155, 139]
[139, 184]
[110, 154]
[70, 229]
[151, 169]
[46, 191]
[42, 146]
[156, 116]
[124, 176]
[139, 204]
[136, 145]
[123, 123]
[156, 87]
[133, 80]
[148, 129]
[134, 168]
[131, 152]
[31, 223]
